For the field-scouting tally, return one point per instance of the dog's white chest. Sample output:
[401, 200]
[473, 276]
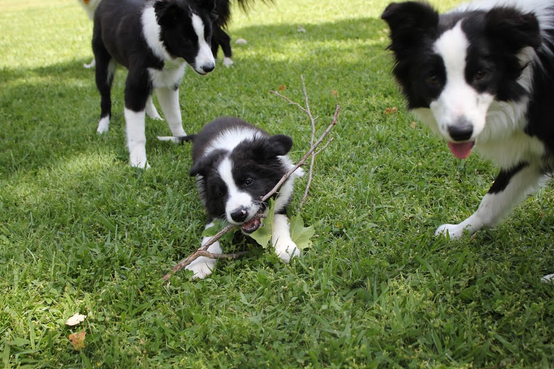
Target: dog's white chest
[170, 76]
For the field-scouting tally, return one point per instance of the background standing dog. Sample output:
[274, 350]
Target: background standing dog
[236, 164]
[154, 40]
[482, 77]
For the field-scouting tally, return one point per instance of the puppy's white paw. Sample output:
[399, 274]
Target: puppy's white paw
[103, 125]
[455, 231]
[286, 250]
[549, 278]
[227, 62]
[201, 267]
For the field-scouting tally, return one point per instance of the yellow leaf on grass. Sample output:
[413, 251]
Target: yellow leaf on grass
[78, 340]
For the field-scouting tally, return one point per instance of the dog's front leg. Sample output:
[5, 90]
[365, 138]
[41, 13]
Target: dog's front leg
[203, 266]
[509, 189]
[136, 138]
[151, 109]
[284, 246]
[169, 101]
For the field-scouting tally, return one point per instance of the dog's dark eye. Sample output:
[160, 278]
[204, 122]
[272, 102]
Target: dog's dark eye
[248, 181]
[480, 75]
[433, 80]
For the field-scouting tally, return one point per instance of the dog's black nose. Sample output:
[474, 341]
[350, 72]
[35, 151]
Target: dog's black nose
[460, 132]
[239, 215]
[207, 68]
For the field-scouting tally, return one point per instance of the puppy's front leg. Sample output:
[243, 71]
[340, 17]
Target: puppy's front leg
[169, 101]
[285, 248]
[203, 266]
[136, 138]
[509, 189]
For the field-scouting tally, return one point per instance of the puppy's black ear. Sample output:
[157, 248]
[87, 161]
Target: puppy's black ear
[168, 13]
[279, 145]
[408, 21]
[513, 29]
[208, 5]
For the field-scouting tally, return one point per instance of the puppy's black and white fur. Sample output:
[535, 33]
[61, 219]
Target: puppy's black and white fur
[154, 40]
[481, 76]
[236, 164]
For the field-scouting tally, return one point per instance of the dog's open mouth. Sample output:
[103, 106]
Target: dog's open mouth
[252, 225]
[461, 150]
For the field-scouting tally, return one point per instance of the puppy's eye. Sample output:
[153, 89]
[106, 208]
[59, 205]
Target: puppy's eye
[433, 80]
[248, 181]
[480, 75]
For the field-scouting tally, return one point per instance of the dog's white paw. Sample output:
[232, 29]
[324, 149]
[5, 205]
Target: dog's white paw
[201, 267]
[92, 64]
[227, 62]
[286, 250]
[549, 278]
[103, 125]
[455, 231]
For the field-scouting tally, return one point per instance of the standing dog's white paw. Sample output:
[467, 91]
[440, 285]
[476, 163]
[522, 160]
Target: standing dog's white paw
[103, 125]
[455, 231]
[286, 250]
[201, 267]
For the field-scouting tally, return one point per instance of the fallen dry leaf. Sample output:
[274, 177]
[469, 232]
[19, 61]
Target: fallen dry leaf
[78, 340]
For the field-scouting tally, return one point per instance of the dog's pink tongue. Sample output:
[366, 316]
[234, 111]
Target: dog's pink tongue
[460, 150]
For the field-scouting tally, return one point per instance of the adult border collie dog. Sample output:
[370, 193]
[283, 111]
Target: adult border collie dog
[154, 40]
[481, 76]
[236, 164]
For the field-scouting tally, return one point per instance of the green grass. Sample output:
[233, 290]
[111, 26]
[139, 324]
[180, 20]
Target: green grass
[81, 231]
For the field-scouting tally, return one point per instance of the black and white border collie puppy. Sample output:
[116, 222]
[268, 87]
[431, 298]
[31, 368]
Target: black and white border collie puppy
[482, 77]
[236, 164]
[154, 40]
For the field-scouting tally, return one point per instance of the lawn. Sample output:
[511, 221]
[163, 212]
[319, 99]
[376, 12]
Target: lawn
[82, 232]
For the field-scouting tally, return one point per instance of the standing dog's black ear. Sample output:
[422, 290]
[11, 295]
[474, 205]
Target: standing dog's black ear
[408, 21]
[513, 29]
[208, 5]
[168, 13]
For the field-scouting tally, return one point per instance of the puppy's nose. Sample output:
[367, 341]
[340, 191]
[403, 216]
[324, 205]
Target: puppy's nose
[239, 215]
[460, 133]
[207, 68]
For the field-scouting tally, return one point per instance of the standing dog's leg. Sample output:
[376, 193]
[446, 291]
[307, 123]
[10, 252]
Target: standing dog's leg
[136, 96]
[169, 101]
[221, 38]
[104, 72]
[509, 189]
[203, 266]
[151, 109]
[285, 248]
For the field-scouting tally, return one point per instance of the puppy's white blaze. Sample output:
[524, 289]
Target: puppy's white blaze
[458, 99]
[136, 138]
[205, 57]
[231, 138]
[103, 125]
[236, 198]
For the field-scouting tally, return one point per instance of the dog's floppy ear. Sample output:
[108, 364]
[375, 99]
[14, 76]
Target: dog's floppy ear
[168, 13]
[513, 29]
[408, 21]
[208, 5]
[279, 145]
